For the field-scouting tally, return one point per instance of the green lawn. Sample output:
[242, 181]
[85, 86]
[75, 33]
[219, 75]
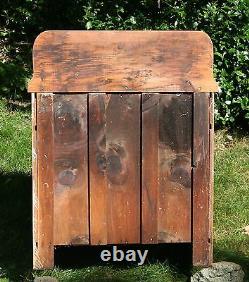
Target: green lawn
[231, 213]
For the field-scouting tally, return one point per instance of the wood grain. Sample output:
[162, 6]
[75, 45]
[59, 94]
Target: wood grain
[115, 61]
[71, 226]
[115, 168]
[150, 168]
[34, 181]
[123, 168]
[44, 255]
[144, 163]
[211, 171]
[175, 144]
[97, 169]
[202, 194]
[167, 136]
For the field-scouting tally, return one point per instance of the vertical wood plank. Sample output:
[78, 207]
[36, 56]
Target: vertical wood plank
[166, 168]
[115, 168]
[211, 183]
[175, 145]
[150, 169]
[34, 180]
[97, 169]
[123, 168]
[71, 224]
[202, 199]
[44, 256]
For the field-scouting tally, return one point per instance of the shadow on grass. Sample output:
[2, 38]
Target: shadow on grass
[233, 256]
[15, 225]
[16, 239]
[23, 106]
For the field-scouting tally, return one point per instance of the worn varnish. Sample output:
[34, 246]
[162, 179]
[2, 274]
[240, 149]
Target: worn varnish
[44, 250]
[115, 168]
[150, 168]
[70, 170]
[167, 168]
[123, 167]
[122, 140]
[34, 179]
[97, 169]
[175, 133]
[202, 176]
[114, 61]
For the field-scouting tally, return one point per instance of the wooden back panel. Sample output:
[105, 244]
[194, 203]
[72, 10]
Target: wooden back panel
[136, 185]
[114, 61]
[123, 143]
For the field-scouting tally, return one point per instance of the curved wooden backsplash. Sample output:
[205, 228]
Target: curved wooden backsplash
[117, 61]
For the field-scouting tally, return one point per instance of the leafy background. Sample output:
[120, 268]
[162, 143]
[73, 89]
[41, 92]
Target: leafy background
[226, 22]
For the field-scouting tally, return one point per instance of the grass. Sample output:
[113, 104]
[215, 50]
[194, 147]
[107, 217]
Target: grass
[231, 212]
[15, 140]
[155, 272]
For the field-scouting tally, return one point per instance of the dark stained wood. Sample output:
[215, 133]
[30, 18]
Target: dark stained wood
[115, 161]
[123, 168]
[71, 226]
[34, 181]
[167, 136]
[202, 198]
[143, 165]
[97, 169]
[105, 61]
[44, 254]
[150, 169]
[175, 144]
[211, 171]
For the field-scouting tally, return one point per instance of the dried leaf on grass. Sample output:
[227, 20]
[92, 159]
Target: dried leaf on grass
[246, 230]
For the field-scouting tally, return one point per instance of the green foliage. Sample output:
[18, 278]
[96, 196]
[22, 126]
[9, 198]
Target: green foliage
[13, 79]
[226, 22]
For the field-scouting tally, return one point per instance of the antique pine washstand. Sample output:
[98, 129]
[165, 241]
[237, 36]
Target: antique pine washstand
[122, 140]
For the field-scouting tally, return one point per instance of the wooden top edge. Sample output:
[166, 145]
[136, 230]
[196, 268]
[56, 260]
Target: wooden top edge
[44, 34]
[122, 61]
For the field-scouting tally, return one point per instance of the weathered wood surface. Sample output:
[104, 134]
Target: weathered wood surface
[211, 180]
[175, 144]
[97, 169]
[144, 164]
[150, 168]
[114, 168]
[44, 251]
[105, 61]
[202, 181]
[71, 211]
[166, 186]
[34, 180]
[123, 167]
[174, 129]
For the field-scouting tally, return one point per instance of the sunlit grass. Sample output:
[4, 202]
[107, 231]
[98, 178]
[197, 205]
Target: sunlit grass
[15, 140]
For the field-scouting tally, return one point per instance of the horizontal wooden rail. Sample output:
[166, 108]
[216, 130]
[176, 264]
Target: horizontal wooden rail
[121, 61]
